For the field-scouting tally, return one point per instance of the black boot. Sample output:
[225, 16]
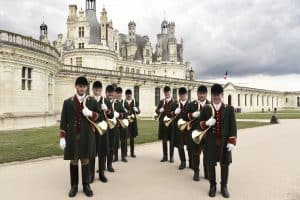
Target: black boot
[123, 151]
[171, 146]
[205, 167]
[206, 173]
[92, 170]
[224, 180]
[132, 154]
[165, 152]
[116, 156]
[85, 170]
[74, 180]
[213, 184]
[182, 159]
[102, 176]
[109, 162]
[196, 167]
[191, 159]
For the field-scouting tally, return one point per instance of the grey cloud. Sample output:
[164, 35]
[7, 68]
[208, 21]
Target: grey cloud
[244, 37]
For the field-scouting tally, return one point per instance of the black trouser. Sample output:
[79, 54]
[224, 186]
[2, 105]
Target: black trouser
[224, 174]
[165, 149]
[85, 170]
[123, 140]
[196, 158]
[131, 141]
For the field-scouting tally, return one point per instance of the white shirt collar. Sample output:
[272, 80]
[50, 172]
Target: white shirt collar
[80, 98]
[129, 101]
[217, 106]
[168, 99]
[202, 103]
[183, 102]
[97, 98]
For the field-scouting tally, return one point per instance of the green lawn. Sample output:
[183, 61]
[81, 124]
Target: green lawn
[259, 115]
[42, 142]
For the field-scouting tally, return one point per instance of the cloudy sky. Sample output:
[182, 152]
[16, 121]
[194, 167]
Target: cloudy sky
[256, 41]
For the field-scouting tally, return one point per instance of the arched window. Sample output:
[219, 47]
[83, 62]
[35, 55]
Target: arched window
[229, 100]
[121, 69]
[157, 96]
[239, 100]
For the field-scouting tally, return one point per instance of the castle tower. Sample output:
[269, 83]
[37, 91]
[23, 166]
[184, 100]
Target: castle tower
[44, 33]
[103, 22]
[131, 31]
[90, 12]
[172, 43]
[131, 47]
[90, 5]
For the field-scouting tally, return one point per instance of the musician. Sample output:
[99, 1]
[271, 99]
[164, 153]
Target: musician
[108, 101]
[77, 136]
[180, 112]
[101, 140]
[121, 130]
[195, 109]
[165, 133]
[132, 106]
[220, 138]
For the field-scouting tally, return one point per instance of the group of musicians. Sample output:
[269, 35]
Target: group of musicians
[201, 126]
[113, 119]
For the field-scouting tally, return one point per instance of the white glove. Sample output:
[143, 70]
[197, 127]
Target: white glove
[87, 112]
[230, 147]
[211, 122]
[161, 110]
[62, 143]
[177, 111]
[196, 114]
[135, 109]
[116, 114]
[104, 107]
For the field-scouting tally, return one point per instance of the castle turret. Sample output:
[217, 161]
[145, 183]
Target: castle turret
[44, 33]
[172, 43]
[131, 47]
[103, 22]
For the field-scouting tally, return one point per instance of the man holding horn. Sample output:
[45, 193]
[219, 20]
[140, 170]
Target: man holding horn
[194, 109]
[101, 140]
[77, 135]
[220, 138]
[164, 111]
[132, 106]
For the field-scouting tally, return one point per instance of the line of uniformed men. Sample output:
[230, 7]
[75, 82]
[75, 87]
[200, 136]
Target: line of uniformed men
[81, 140]
[218, 142]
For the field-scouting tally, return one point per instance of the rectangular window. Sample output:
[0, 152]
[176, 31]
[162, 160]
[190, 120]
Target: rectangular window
[239, 100]
[175, 94]
[79, 61]
[116, 46]
[26, 78]
[189, 95]
[245, 100]
[81, 45]
[157, 96]
[71, 61]
[81, 32]
[136, 91]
